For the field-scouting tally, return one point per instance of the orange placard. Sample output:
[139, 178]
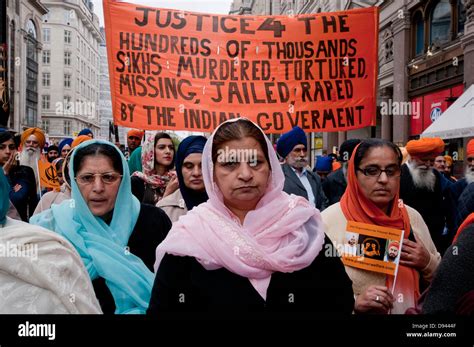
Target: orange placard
[372, 247]
[179, 70]
[48, 175]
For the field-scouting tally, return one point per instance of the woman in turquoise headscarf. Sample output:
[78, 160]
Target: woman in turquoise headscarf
[115, 235]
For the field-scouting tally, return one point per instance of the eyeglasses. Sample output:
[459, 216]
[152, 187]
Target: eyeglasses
[107, 178]
[375, 172]
[470, 159]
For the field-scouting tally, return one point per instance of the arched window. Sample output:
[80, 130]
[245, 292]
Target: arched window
[419, 27]
[440, 22]
[461, 16]
[31, 74]
[31, 42]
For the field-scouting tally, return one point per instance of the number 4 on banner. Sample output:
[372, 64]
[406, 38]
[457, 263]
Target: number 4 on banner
[271, 24]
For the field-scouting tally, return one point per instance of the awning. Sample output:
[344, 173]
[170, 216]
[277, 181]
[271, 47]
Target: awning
[457, 120]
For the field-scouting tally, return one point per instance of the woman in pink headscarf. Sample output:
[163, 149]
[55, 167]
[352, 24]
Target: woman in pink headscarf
[251, 246]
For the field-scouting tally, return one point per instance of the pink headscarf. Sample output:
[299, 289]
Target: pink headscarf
[283, 234]
[148, 165]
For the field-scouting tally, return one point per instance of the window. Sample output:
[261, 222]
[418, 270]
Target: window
[46, 35]
[45, 102]
[67, 36]
[78, 85]
[46, 79]
[67, 103]
[67, 80]
[440, 23]
[78, 63]
[67, 58]
[67, 127]
[419, 27]
[46, 57]
[45, 125]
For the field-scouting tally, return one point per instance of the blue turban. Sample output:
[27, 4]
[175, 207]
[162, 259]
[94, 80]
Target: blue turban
[85, 132]
[190, 145]
[66, 141]
[289, 140]
[323, 164]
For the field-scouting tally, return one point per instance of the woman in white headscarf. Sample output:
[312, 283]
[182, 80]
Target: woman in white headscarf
[40, 271]
[251, 246]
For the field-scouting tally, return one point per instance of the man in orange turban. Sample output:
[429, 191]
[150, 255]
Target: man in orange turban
[32, 143]
[392, 251]
[33, 137]
[134, 138]
[424, 188]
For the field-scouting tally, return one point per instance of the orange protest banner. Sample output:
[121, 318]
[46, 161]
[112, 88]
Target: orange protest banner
[48, 175]
[181, 70]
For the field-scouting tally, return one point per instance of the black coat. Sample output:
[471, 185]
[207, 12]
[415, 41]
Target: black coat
[182, 284]
[24, 199]
[431, 206]
[293, 185]
[152, 227]
[334, 186]
[454, 278]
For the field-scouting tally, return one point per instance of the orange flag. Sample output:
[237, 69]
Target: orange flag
[48, 175]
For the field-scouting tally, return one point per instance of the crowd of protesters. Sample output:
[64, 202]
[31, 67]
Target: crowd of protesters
[231, 223]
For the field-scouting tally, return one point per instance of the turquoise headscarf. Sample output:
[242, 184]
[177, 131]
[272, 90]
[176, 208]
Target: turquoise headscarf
[135, 160]
[101, 246]
[4, 200]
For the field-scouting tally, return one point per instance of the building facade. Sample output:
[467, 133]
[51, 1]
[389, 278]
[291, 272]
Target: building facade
[70, 66]
[24, 42]
[426, 60]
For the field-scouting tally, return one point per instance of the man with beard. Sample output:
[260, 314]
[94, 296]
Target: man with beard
[392, 252]
[134, 139]
[299, 180]
[421, 187]
[21, 178]
[32, 143]
[52, 153]
[335, 184]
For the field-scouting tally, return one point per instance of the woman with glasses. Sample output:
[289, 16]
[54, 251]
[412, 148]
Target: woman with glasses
[156, 180]
[115, 235]
[372, 197]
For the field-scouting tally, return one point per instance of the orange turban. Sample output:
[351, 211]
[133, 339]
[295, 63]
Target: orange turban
[80, 139]
[449, 160]
[425, 147]
[394, 244]
[34, 131]
[336, 165]
[136, 133]
[470, 148]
